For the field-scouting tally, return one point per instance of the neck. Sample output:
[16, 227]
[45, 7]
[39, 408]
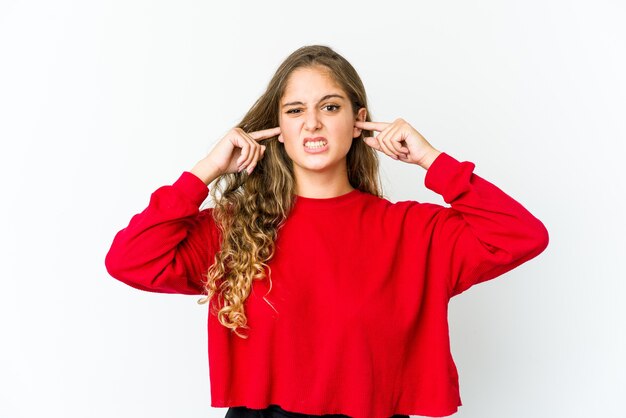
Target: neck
[322, 185]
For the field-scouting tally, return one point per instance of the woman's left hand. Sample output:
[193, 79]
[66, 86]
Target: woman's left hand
[400, 141]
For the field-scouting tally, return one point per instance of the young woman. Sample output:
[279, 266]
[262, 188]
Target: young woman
[325, 298]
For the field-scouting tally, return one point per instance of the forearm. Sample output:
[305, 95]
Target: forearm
[426, 162]
[485, 231]
[166, 246]
[205, 171]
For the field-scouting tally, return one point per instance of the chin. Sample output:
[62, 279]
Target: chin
[320, 166]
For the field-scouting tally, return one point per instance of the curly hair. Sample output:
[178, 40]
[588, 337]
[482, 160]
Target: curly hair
[252, 208]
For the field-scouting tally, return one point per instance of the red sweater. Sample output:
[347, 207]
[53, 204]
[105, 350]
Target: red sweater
[361, 286]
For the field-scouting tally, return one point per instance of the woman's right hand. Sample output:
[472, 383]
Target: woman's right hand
[236, 151]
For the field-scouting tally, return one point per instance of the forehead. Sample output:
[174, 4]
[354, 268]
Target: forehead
[311, 81]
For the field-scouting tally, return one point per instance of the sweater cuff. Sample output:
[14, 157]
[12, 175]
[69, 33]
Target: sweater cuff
[448, 176]
[191, 185]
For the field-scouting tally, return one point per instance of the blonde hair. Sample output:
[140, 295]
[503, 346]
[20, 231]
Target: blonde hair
[252, 208]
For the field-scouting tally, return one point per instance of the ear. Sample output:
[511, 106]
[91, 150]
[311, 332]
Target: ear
[361, 115]
[280, 138]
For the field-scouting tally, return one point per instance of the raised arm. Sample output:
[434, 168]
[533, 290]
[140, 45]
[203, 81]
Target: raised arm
[484, 233]
[168, 247]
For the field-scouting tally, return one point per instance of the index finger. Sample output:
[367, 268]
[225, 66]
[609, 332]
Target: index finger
[371, 126]
[265, 133]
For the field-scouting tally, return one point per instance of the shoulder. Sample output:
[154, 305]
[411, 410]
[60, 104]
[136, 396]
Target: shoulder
[405, 215]
[404, 210]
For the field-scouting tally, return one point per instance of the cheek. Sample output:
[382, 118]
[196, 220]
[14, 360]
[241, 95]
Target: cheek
[289, 129]
[344, 127]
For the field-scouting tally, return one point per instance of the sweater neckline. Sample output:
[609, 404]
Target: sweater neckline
[326, 201]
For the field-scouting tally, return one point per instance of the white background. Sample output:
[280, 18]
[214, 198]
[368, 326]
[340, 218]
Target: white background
[103, 102]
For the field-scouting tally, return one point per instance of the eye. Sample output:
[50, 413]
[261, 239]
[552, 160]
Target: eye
[335, 106]
[291, 111]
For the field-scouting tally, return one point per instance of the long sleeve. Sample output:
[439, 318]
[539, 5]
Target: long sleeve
[484, 233]
[168, 247]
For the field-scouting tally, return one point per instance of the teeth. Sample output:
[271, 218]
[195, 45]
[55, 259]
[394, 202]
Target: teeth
[317, 144]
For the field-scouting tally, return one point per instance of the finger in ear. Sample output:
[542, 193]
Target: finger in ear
[372, 142]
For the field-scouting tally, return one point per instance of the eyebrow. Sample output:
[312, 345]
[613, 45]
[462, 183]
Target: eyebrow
[328, 96]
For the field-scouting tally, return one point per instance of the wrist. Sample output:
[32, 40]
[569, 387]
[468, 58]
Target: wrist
[205, 171]
[428, 159]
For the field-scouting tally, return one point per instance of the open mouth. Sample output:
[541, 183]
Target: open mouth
[315, 144]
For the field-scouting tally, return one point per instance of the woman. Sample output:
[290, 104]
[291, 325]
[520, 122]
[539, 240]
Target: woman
[343, 295]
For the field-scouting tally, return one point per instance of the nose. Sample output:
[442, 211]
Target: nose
[312, 121]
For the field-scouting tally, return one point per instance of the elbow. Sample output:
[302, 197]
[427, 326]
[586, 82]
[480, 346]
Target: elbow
[118, 270]
[111, 262]
[114, 264]
[545, 237]
[538, 239]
